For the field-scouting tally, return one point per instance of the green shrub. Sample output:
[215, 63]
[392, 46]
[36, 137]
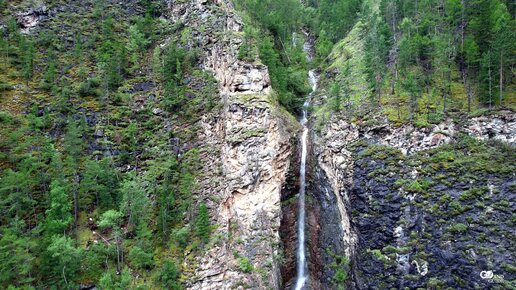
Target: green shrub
[5, 117]
[472, 193]
[89, 88]
[458, 228]
[5, 86]
[169, 276]
[180, 236]
[140, 258]
[419, 185]
[244, 264]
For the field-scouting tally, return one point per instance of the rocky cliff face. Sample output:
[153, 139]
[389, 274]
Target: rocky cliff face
[245, 156]
[416, 207]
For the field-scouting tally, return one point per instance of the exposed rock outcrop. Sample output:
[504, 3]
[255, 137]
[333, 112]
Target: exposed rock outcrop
[31, 18]
[371, 211]
[246, 156]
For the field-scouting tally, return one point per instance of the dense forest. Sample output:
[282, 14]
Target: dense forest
[95, 188]
[418, 56]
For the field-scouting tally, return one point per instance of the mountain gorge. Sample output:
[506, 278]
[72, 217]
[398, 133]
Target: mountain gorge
[156, 144]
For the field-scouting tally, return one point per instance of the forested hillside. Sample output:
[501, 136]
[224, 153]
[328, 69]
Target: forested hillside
[95, 186]
[430, 58]
[104, 106]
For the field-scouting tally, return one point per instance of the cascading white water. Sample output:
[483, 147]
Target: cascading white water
[302, 267]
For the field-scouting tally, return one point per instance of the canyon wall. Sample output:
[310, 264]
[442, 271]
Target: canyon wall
[246, 155]
[404, 217]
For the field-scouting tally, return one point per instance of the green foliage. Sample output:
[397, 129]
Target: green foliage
[135, 202]
[181, 236]
[137, 43]
[5, 118]
[28, 50]
[202, 223]
[173, 68]
[140, 258]
[64, 256]
[58, 216]
[70, 72]
[16, 255]
[341, 267]
[110, 219]
[169, 276]
[110, 280]
[90, 87]
[379, 255]
[276, 21]
[419, 185]
[244, 264]
[336, 17]
[15, 188]
[458, 228]
[99, 184]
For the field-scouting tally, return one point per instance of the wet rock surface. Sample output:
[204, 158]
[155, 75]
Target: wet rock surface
[430, 225]
[418, 207]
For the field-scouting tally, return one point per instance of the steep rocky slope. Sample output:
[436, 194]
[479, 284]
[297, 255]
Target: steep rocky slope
[246, 156]
[243, 140]
[407, 205]
[404, 204]
[427, 207]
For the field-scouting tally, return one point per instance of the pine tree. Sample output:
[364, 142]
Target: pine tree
[65, 257]
[16, 255]
[135, 203]
[203, 223]
[112, 219]
[169, 276]
[27, 59]
[73, 146]
[15, 187]
[58, 216]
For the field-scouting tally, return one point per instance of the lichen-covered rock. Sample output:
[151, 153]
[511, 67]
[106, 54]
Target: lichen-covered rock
[31, 18]
[388, 198]
[500, 127]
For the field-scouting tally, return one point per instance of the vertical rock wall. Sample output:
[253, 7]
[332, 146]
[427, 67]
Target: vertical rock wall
[363, 209]
[245, 156]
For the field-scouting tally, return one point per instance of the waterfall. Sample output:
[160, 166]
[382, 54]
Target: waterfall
[302, 266]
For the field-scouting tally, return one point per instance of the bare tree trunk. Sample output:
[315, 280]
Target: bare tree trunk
[64, 276]
[490, 85]
[395, 78]
[75, 202]
[501, 78]
[470, 96]
[448, 85]
[394, 21]
[117, 241]
[444, 101]
[462, 24]
[399, 109]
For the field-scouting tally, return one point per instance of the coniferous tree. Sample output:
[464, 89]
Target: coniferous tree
[203, 223]
[16, 256]
[169, 276]
[112, 219]
[58, 216]
[73, 145]
[28, 51]
[135, 203]
[64, 257]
